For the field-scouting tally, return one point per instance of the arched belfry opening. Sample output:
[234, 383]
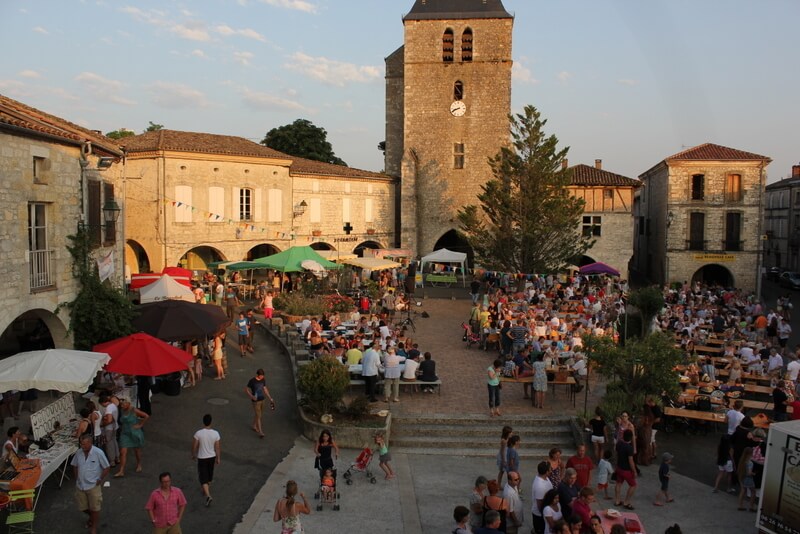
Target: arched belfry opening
[447, 46]
[466, 45]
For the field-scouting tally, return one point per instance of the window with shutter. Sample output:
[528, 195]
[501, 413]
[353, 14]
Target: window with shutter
[110, 227]
[94, 216]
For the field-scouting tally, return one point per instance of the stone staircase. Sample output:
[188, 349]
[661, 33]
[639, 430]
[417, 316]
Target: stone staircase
[460, 435]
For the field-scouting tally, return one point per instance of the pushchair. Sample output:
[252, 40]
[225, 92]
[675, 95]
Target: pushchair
[361, 465]
[470, 337]
[327, 493]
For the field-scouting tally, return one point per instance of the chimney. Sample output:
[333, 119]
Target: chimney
[564, 164]
[795, 171]
[598, 164]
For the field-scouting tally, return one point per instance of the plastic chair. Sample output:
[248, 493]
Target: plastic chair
[20, 520]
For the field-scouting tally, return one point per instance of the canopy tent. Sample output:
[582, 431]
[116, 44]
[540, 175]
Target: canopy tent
[289, 261]
[335, 255]
[391, 253]
[235, 265]
[180, 275]
[165, 288]
[60, 369]
[445, 256]
[373, 264]
[598, 268]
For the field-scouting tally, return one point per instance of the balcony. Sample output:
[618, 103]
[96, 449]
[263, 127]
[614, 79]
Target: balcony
[732, 246]
[696, 244]
[41, 269]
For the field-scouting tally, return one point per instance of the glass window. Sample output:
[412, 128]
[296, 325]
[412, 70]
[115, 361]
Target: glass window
[733, 188]
[458, 90]
[458, 155]
[698, 186]
[245, 204]
[591, 226]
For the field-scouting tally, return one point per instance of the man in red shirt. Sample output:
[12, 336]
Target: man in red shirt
[582, 465]
[582, 507]
[795, 415]
[165, 507]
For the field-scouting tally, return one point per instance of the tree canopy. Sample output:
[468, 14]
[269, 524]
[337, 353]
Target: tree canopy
[120, 134]
[303, 139]
[527, 221]
[153, 127]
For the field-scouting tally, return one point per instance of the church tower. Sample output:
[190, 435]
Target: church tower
[448, 97]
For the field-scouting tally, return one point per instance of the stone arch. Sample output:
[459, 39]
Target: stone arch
[261, 251]
[34, 330]
[198, 258]
[714, 274]
[455, 241]
[585, 260]
[136, 258]
[321, 245]
[361, 248]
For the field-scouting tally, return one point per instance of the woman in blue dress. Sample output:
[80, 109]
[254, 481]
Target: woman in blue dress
[131, 421]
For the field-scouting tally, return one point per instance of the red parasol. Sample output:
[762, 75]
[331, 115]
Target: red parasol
[143, 355]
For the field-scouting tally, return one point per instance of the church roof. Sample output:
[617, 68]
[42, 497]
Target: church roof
[710, 151]
[585, 175]
[21, 117]
[457, 9]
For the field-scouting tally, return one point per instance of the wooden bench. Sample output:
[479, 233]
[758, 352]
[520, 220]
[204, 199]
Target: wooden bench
[437, 383]
[698, 415]
[569, 382]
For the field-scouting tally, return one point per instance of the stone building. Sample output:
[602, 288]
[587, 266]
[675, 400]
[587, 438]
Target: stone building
[607, 215]
[782, 223]
[699, 217]
[448, 97]
[194, 198]
[51, 182]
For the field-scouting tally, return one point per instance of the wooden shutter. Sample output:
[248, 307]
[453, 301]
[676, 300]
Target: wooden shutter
[94, 218]
[111, 227]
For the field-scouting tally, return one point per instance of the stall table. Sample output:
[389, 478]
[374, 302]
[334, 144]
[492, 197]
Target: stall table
[609, 522]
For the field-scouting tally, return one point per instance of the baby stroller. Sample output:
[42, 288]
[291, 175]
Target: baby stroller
[361, 465]
[470, 337]
[327, 493]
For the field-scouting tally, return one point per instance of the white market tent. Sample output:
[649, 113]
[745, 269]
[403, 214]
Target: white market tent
[165, 288]
[335, 255]
[373, 264]
[446, 256]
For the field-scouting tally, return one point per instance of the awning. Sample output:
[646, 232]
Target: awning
[335, 255]
[373, 264]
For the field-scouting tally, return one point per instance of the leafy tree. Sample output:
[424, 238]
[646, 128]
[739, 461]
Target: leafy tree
[323, 383]
[154, 127]
[649, 301]
[382, 147]
[303, 139]
[120, 134]
[527, 221]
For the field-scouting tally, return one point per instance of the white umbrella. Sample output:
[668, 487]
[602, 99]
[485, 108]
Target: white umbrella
[165, 288]
[314, 266]
[60, 369]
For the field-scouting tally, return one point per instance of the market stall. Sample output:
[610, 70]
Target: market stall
[444, 256]
[165, 288]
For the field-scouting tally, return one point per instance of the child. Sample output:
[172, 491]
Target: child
[663, 478]
[267, 304]
[604, 470]
[512, 456]
[746, 478]
[510, 368]
[384, 456]
[724, 462]
[327, 483]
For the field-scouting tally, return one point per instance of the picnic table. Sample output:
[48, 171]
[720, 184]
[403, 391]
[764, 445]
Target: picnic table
[568, 382]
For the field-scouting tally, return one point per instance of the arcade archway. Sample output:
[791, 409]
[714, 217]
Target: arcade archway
[261, 251]
[360, 250]
[323, 246]
[713, 274]
[585, 260]
[136, 259]
[198, 258]
[33, 330]
[453, 240]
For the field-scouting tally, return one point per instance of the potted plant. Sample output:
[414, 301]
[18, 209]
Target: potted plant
[316, 233]
[370, 231]
[323, 383]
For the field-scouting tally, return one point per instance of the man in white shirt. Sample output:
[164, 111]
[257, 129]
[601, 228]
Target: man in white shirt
[734, 416]
[410, 370]
[206, 450]
[541, 485]
[516, 516]
[580, 368]
[793, 368]
[109, 426]
[775, 364]
[90, 467]
[370, 365]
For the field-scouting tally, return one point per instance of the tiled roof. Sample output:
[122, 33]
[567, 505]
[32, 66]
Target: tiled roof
[19, 115]
[592, 176]
[234, 146]
[710, 151]
[786, 182]
[457, 9]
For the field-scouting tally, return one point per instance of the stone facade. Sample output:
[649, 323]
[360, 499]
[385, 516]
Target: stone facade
[700, 217]
[782, 223]
[442, 157]
[40, 185]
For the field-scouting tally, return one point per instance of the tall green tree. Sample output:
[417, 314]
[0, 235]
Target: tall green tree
[120, 134]
[303, 139]
[527, 220]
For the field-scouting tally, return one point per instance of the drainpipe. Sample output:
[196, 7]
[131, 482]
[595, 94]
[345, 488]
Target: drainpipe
[163, 172]
[86, 151]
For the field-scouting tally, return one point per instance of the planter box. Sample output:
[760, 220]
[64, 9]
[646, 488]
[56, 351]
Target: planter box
[351, 437]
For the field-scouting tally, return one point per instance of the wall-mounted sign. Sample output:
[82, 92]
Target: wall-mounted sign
[351, 239]
[717, 258]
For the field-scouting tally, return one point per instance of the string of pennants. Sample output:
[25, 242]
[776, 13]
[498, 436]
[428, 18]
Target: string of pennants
[215, 217]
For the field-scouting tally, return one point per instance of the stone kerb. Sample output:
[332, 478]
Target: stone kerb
[346, 436]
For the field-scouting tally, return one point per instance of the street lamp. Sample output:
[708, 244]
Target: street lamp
[300, 209]
[111, 211]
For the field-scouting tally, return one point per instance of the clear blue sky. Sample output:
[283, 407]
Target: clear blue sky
[626, 81]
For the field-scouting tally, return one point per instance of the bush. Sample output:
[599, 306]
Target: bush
[323, 383]
[298, 304]
[358, 408]
[339, 303]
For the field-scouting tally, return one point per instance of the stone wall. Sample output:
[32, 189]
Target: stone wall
[394, 112]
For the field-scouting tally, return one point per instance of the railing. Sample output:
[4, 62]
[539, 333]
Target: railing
[733, 246]
[41, 268]
[696, 244]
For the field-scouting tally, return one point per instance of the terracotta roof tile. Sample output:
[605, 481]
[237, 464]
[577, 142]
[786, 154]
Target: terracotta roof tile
[710, 151]
[307, 166]
[592, 176]
[19, 115]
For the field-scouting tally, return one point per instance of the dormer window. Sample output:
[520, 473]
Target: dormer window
[447, 46]
[458, 90]
[466, 45]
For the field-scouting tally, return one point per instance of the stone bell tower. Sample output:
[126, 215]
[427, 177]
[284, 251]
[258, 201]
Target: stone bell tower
[448, 97]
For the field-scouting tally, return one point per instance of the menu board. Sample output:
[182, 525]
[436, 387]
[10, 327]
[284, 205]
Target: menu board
[780, 502]
[61, 411]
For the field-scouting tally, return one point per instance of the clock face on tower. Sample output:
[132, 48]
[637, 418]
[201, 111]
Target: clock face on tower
[458, 108]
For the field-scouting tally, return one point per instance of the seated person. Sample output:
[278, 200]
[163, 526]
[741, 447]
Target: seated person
[353, 356]
[428, 372]
[523, 362]
[411, 368]
[17, 443]
[733, 385]
[327, 484]
[579, 368]
[509, 367]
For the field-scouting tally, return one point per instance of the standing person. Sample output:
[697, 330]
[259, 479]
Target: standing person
[748, 483]
[626, 470]
[476, 502]
[599, 432]
[231, 302]
[780, 400]
[604, 472]
[90, 467]
[287, 511]
[268, 304]
[552, 511]
[495, 502]
[516, 511]
[109, 426]
[493, 385]
[539, 381]
[166, 506]
[131, 421]
[370, 365]
[243, 331]
[541, 485]
[206, 450]
[512, 455]
[326, 451]
[663, 479]
[568, 491]
[384, 456]
[475, 291]
[217, 356]
[391, 376]
[582, 465]
[734, 416]
[724, 464]
[257, 390]
[502, 455]
[251, 323]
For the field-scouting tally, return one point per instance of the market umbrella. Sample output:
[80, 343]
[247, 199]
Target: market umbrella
[598, 268]
[165, 288]
[60, 369]
[176, 320]
[290, 260]
[143, 355]
[181, 275]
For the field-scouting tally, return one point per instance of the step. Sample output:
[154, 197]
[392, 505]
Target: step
[456, 442]
[483, 420]
[524, 453]
[428, 429]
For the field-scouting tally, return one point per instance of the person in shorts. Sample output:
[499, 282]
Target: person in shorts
[663, 479]
[206, 450]
[604, 472]
[257, 390]
[243, 329]
[384, 456]
[90, 467]
[626, 470]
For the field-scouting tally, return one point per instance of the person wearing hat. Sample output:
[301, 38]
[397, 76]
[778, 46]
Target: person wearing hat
[663, 479]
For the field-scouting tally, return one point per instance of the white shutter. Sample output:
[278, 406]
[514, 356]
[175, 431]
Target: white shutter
[183, 196]
[275, 206]
[315, 186]
[257, 209]
[345, 210]
[235, 204]
[315, 213]
[216, 204]
[368, 210]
